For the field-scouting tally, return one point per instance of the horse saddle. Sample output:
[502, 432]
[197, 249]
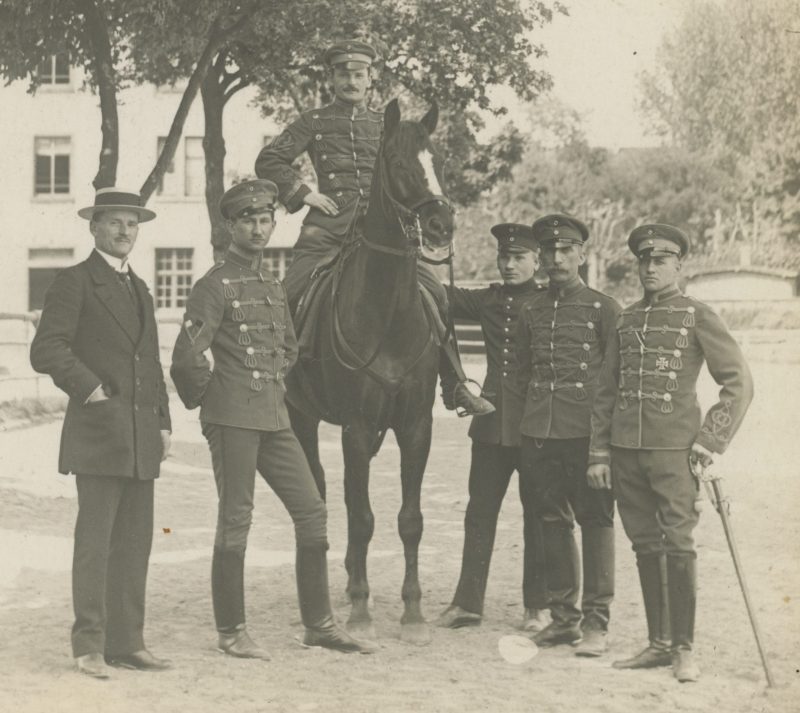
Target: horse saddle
[306, 315]
[326, 272]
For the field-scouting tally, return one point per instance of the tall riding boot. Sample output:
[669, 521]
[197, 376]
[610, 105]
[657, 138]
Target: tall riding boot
[311, 566]
[598, 588]
[227, 594]
[682, 581]
[653, 579]
[455, 393]
[562, 575]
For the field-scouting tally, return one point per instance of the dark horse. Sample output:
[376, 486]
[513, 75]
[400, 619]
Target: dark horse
[378, 354]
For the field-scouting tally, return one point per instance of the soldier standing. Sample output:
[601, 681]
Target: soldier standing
[239, 311]
[646, 428]
[562, 338]
[342, 141]
[495, 437]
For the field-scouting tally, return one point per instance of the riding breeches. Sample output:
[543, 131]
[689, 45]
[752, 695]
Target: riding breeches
[657, 499]
[316, 244]
[236, 455]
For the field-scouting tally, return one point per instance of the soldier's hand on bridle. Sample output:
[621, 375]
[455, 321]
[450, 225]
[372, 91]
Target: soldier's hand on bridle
[701, 455]
[321, 202]
[599, 476]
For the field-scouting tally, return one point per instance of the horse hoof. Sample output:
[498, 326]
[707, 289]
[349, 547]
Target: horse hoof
[418, 634]
[363, 630]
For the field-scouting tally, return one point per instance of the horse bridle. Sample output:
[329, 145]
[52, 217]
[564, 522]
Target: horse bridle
[412, 230]
[409, 219]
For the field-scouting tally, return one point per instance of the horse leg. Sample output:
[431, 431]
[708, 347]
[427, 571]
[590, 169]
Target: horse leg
[415, 443]
[306, 429]
[357, 447]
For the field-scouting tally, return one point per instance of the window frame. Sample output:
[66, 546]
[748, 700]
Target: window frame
[173, 282]
[52, 193]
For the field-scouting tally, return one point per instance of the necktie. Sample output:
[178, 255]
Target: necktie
[125, 279]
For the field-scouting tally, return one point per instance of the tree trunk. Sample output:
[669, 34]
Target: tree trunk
[214, 99]
[217, 38]
[104, 76]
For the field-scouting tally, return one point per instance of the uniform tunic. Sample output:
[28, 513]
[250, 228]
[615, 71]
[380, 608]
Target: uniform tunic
[646, 415]
[239, 311]
[561, 340]
[497, 308]
[648, 398]
[342, 142]
[495, 445]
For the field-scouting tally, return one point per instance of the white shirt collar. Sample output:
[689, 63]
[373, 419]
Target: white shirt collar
[118, 264]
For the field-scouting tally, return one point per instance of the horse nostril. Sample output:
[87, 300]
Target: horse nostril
[436, 225]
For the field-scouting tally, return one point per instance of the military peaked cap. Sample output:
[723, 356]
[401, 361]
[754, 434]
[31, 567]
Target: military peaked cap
[248, 197]
[514, 237]
[350, 52]
[560, 231]
[658, 239]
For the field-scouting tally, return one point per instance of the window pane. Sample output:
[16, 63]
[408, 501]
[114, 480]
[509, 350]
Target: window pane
[43, 184]
[61, 174]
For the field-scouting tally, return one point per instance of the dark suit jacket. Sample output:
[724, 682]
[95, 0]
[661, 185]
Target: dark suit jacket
[89, 334]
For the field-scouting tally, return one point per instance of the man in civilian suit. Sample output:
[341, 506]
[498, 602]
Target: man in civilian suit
[97, 339]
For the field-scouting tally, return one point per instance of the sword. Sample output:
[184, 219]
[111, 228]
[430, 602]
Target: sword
[713, 487]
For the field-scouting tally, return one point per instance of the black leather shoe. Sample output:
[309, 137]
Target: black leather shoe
[454, 617]
[651, 657]
[139, 661]
[467, 404]
[92, 665]
[556, 633]
[329, 635]
[240, 645]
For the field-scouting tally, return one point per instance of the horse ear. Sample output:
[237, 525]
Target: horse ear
[430, 119]
[391, 117]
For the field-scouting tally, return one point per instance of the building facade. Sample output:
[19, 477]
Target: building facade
[49, 159]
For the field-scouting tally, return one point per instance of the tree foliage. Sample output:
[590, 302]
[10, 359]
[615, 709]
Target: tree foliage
[726, 89]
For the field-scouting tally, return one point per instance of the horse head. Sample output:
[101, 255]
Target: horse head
[413, 177]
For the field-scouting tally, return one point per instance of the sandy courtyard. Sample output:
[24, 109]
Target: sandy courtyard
[460, 670]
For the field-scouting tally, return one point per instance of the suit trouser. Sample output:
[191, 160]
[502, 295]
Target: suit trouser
[236, 455]
[113, 538]
[557, 470]
[490, 472]
[316, 243]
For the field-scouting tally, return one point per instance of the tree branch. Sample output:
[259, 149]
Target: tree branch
[217, 38]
